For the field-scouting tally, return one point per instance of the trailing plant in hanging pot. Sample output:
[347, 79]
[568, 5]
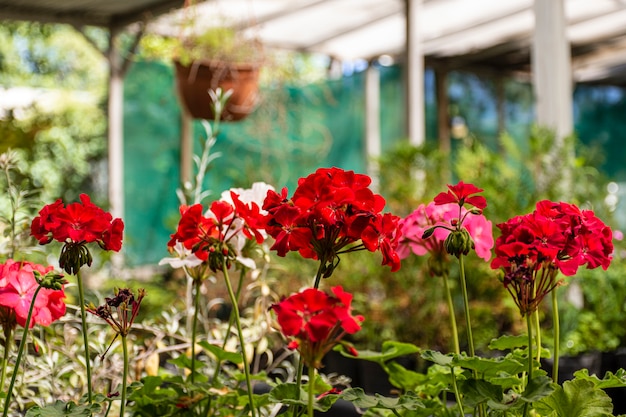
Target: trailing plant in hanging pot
[217, 57]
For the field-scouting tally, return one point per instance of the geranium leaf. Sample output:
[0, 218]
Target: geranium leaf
[220, 354]
[293, 394]
[539, 387]
[477, 391]
[408, 401]
[63, 409]
[490, 366]
[437, 357]
[390, 350]
[509, 342]
[610, 380]
[403, 378]
[576, 398]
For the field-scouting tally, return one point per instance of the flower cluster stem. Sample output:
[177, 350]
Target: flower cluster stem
[194, 325]
[457, 394]
[83, 318]
[529, 325]
[311, 391]
[124, 375]
[557, 336]
[316, 284]
[8, 339]
[468, 322]
[242, 342]
[453, 327]
[538, 333]
[20, 351]
[242, 274]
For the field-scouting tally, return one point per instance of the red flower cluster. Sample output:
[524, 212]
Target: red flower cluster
[76, 225]
[217, 236]
[82, 222]
[17, 288]
[555, 237]
[330, 210]
[462, 193]
[316, 321]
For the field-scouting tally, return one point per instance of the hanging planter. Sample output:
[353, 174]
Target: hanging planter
[195, 79]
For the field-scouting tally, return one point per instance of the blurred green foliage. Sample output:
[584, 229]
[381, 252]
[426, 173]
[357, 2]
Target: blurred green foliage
[59, 127]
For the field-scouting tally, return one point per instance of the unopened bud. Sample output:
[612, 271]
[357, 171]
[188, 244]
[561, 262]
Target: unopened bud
[428, 233]
[458, 243]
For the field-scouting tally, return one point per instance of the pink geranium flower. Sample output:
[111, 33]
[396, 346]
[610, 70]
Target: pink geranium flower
[17, 288]
[425, 217]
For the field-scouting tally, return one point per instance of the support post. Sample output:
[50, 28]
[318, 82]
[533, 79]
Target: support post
[414, 74]
[552, 82]
[552, 68]
[372, 123]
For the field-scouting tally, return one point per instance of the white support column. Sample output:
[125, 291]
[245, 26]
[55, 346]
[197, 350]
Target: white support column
[552, 82]
[116, 130]
[552, 68]
[415, 74]
[372, 123]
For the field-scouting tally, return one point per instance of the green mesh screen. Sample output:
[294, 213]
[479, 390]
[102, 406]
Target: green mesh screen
[293, 132]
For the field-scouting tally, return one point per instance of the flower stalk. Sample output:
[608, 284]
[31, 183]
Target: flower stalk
[20, 351]
[453, 326]
[557, 337]
[83, 319]
[242, 341]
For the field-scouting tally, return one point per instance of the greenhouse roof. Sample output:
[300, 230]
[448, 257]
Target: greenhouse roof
[473, 34]
[476, 34]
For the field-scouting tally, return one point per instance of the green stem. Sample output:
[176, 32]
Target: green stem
[242, 341]
[457, 394]
[316, 284]
[557, 336]
[196, 304]
[230, 321]
[311, 390]
[8, 338]
[538, 334]
[83, 317]
[20, 351]
[125, 375]
[455, 334]
[468, 322]
[529, 325]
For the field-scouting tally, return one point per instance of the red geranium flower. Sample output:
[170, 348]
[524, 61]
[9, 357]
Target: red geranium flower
[76, 225]
[331, 212]
[218, 235]
[533, 248]
[17, 288]
[315, 321]
[462, 193]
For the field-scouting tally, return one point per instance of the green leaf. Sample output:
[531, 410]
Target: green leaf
[576, 398]
[438, 357]
[408, 401]
[390, 350]
[405, 379]
[293, 394]
[477, 391]
[490, 366]
[610, 380]
[220, 354]
[63, 409]
[509, 342]
[538, 387]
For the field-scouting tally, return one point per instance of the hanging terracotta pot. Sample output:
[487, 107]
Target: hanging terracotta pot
[194, 81]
